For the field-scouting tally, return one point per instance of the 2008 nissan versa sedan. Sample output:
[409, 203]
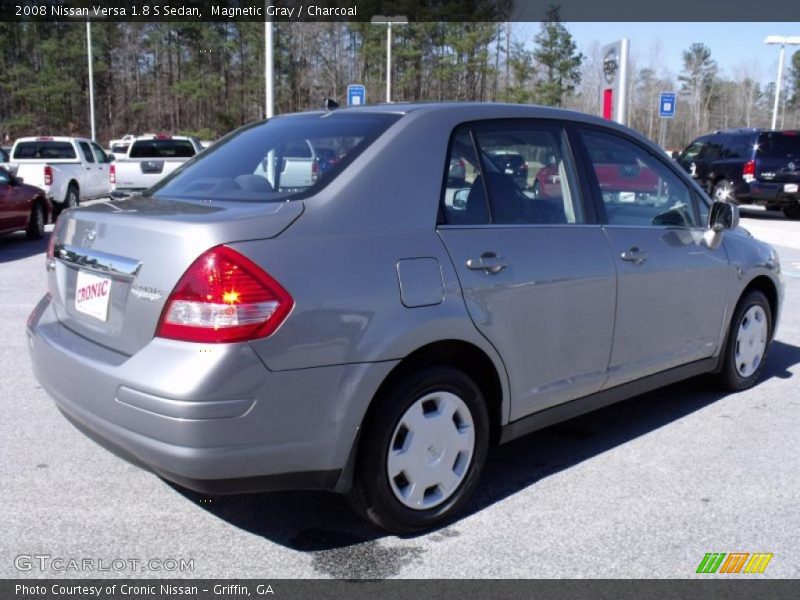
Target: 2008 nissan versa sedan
[370, 335]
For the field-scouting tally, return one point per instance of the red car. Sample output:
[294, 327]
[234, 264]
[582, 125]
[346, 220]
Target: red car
[22, 207]
[617, 173]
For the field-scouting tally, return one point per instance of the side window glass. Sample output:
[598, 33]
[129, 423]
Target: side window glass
[636, 188]
[87, 152]
[528, 173]
[99, 154]
[464, 198]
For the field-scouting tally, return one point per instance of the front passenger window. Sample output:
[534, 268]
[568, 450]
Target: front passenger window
[637, 189]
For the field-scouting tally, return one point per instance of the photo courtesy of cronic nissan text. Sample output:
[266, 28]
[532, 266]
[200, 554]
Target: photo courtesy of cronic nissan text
[399, 299]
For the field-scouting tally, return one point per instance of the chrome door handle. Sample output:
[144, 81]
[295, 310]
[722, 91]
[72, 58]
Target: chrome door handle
[488, 262]
[634, 255]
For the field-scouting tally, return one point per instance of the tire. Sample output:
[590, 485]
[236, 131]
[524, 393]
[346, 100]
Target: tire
[792, 211]
[35, 229]
[723, 191]
[391, 469]
[72, 198]
[747, 344]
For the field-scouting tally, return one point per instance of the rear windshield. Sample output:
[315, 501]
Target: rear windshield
[779, 145]
[44, 150]
[276, 160]
[162, 149]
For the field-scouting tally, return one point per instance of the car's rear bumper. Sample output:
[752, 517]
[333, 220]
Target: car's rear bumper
[758, 192]
[209, 418]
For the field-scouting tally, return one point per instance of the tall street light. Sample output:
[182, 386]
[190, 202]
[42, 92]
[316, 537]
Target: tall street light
[389, 21]
[269, 63]
[782, 41]
[91, 76]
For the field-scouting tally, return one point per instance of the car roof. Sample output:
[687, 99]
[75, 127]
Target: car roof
[473, 111]
[51, 138]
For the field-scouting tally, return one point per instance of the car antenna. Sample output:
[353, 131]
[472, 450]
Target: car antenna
[330, 104]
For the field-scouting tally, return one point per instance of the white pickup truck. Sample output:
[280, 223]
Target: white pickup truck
[67, 169]
[149, 159]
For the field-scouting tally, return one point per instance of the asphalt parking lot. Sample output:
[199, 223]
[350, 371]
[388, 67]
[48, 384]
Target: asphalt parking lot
[641, 489]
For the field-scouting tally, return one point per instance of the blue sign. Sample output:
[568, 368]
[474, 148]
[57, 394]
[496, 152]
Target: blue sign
[356, 94]
[666, 105]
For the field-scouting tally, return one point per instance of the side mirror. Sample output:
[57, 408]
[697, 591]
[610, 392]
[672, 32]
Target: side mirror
[111, 157]
[17, 180]
[722, 217]
[675, 155]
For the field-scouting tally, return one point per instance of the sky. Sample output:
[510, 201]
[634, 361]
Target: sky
[731, 44]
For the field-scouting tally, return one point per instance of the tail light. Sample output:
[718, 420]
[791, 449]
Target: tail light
[314, 171]
[50, 261]
[48, 175]
[224, 297]
[749, 171]
[112, 174]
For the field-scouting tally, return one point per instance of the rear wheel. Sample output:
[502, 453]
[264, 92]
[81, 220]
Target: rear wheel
[723, 191]
[792, 211]
[423, 449]
[72, 199]
[748, 342]
[35, 229]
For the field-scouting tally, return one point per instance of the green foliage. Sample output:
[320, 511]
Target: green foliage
[560, 62]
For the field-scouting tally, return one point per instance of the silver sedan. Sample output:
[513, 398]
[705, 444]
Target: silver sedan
[374, 333]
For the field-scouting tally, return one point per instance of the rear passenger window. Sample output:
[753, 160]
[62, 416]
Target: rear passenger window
[87, 152]
[637, 189]
[508, 173]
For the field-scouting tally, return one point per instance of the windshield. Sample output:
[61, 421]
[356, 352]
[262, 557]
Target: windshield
[162, 149]
[779, 145]
[286, 158]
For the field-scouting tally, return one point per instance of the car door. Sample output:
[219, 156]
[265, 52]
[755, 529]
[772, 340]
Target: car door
[91, 184]
[103, 163]
[13, 204]
[671, 287]
[536, 273]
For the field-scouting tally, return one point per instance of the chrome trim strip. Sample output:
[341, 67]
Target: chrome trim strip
[99, 262]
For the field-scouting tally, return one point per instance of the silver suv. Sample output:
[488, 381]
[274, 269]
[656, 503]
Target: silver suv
[367, 334]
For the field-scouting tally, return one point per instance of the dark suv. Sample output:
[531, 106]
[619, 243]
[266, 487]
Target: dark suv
[748, 166]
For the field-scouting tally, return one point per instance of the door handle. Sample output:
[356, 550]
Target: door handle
[634, 255]
[489, 262]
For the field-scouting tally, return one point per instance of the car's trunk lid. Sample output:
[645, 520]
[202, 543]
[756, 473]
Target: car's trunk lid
[117, 262]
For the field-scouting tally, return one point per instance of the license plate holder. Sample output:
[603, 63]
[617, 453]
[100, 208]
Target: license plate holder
[92, 295]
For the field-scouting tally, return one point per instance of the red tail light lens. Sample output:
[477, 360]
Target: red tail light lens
[224, 297]
[749, 170]
[112, 174]
[314, 171]
[48, 175]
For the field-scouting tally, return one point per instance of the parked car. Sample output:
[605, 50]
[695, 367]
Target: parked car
[364, 335]
[748, 166]
[149, 159]
[69, 170]
[22, 207]
[125, 141]
[512, 164]
[457, 172]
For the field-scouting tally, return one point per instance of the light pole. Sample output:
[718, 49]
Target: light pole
[91, 76]
[782, 41]
[269, 93]
[380, 19]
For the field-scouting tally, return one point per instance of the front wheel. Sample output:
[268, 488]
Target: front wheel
[748, 342]
[423, 448]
